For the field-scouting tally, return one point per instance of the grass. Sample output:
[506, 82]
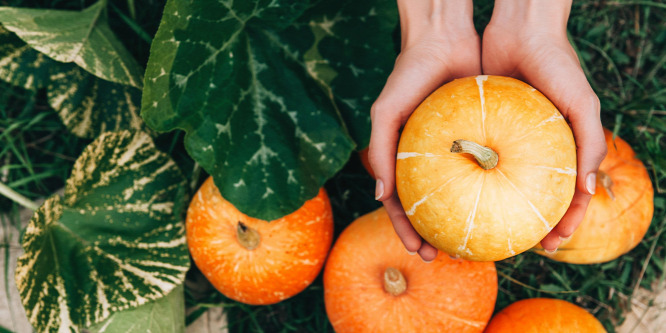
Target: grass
[622, 48]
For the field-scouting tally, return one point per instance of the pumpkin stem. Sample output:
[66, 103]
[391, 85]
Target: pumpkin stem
[486, 157]
[249, 238]
[394, 282]
[605, 181]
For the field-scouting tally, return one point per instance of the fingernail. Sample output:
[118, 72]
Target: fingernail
[426, 261]
[410, 252]
[379, 190]
[565, 239]
[454, 257]
[550, 252]
[591, 183]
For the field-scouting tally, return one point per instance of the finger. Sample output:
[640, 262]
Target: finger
[551, 242]
[427, 252]
[574, 215]
[569, 222]
[381, 154]
[403, 228]
[590, 142]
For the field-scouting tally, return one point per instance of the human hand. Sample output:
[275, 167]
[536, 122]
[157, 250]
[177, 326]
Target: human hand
[528, 40]
[439, 44]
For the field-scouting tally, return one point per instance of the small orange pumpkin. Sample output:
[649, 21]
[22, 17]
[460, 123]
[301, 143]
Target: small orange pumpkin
[544, 315]
[486, 167]
[371, 284]
[255, 261]
[619, 213]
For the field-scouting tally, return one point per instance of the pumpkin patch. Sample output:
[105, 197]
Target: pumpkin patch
[371, 284]
[255, 261]
[486, 167]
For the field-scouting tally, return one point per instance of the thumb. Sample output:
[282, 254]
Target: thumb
[406, 87]
[415, 75]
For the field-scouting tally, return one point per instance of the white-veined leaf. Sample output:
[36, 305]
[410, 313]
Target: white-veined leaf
[115, 241]
[86, 104]
[274, 95]
[81, 37]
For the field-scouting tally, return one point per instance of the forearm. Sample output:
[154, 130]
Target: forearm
[536, 15]
[427, 17]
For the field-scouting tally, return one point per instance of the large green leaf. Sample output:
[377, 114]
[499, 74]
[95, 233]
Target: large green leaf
[116, 240]
[81, 37]
[166, 315]
[86, 104]
[273, 95]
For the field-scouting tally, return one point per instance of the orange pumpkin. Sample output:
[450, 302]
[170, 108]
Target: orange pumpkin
[365, 160]
[486, 167]
[371, 284]
[619, 213]
[544, 315]
[255, 261]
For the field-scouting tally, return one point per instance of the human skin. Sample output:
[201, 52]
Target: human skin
[525, 39]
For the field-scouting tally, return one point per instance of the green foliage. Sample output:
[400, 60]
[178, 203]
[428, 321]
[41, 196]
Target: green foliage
[86, 104]
[82, 37]
[114, 241]
[273, 97]
[36, 150]
[166, 315]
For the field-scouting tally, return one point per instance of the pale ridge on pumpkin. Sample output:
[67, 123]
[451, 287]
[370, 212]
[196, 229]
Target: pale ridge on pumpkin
[404, 155]
[479, 82]
[412, 210]
[553, 118]
[536, 211]
[565, 171]
[470, 220]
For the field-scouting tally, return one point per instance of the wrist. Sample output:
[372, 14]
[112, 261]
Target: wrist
[435, 18]
[536, 16]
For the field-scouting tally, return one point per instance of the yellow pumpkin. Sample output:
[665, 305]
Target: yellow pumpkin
[486, 167]
[619, 213]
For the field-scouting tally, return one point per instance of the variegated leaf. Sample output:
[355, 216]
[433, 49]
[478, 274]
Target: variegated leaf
[89, 105]
[20, 65]
[115, 241]
[86, 104]
[81, 37]
[165, 315]
[268, 107]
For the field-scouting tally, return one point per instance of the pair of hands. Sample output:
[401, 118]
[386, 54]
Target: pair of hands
[526, 40]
